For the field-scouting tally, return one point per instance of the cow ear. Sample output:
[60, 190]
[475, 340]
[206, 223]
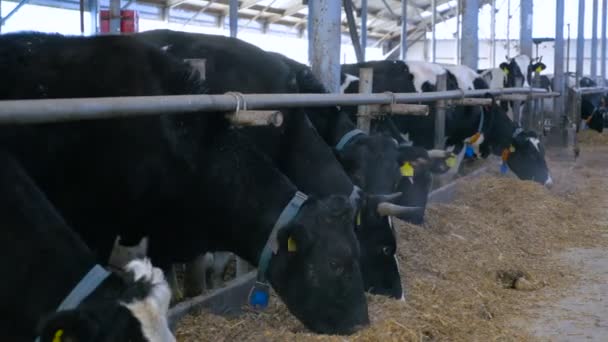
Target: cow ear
[538, 67]
[68, 326]
[505, 67]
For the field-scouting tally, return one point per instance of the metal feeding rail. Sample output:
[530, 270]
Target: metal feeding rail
[55, 110]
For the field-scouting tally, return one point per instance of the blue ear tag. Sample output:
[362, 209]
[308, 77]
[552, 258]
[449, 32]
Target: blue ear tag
[258, 298]
[469, 152]
[504, 168]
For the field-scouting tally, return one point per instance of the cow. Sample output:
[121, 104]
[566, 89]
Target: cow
[44, 261]
[301, 146]
[516, 72]
[187, 181]
[592, 113]
[526, 158]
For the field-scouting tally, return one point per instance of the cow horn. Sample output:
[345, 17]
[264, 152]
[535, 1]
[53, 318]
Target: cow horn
[387, 198]
[389, 209]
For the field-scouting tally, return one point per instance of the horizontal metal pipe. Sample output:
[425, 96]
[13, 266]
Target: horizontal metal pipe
[590, 90]
[54, 110]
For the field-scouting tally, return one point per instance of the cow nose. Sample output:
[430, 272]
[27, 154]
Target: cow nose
[549, 182]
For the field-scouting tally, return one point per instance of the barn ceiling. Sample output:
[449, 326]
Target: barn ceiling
[384, 16]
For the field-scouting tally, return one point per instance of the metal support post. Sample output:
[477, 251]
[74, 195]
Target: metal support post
[94, 13]
[525, 32]
[517, 106]
[594, 40]
[433, 33]
[363, 27]
[493, 35]
[559, 119]
[604, 28]
[234, 17]
[324, 42]
[440, 113]
[366, 79]
[352, 29]
[115, 17]
[470, 42]
[458, 26]
[580, 41]
[403, 30]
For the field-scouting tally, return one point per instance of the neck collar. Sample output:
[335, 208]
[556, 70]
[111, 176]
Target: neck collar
[346, 138]
[517, 132]
[83, 289]
[259, 293]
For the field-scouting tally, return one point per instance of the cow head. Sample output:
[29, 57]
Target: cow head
[316, 269]
[417, 167]
[526, 158]
[519, 70]
[373, 163]
[138, 313]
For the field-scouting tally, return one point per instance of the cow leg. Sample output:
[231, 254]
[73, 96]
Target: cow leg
[195, 276]
[220, 262]
[171, 276]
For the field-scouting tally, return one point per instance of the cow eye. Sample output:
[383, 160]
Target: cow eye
[387, 250]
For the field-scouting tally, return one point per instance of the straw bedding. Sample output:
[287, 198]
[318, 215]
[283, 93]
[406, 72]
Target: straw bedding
[469, 271]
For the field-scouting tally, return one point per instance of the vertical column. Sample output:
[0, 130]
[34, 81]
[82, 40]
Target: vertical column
[470, 42]
[580, 40]
[114, 16]
[440, 113]
[234, 17]
[433, 35]
[324, 42]
[94, 12]
[403, 30]
[557, 121]
[594, 40]
[525, 32]
[364, 26]
[458, 26]
[603, 53]
[493, 35]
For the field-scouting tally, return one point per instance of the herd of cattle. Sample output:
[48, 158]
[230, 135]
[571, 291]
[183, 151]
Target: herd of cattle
[309, 203]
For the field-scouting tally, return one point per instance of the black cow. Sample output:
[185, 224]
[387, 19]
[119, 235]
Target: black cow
[186, 181]
[499, 132]
[43, 260]
[592, 111]
[372, 162]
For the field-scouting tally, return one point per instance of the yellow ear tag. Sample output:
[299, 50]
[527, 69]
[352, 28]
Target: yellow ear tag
[475, 137]
[358, 218]
[539, 69]
[291, 245]
[506, 71]
[450, 162]
[511, 148]
[58, 335]
[407, 170]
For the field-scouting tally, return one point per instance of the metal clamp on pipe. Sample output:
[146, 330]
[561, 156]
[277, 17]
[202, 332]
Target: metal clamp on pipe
[246, 117]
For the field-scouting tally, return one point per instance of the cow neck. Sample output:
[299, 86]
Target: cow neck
[246, 194]
[331, 125]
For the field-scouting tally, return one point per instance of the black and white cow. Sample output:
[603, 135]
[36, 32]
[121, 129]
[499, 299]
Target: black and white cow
[372, 162]
[43, 261]
[462, 124]
[516, 72]
[185, 180]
